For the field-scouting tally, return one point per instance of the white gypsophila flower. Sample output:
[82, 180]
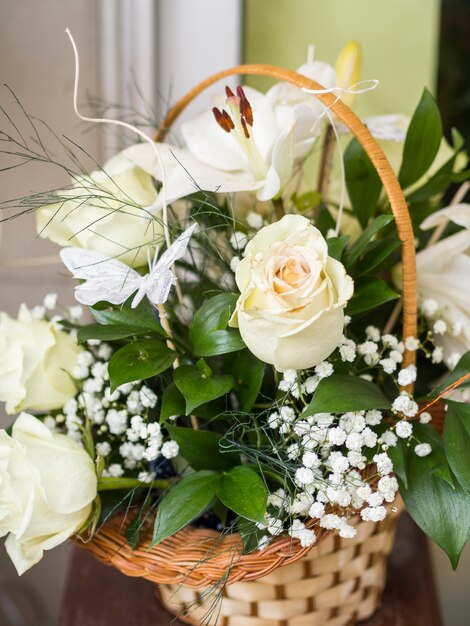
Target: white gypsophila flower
[80, 372]
[429, 307]
[375, 499]
[304, 476]
[388, 365]
[353, 421]
[395, 355]
[337, 436]
[301, 503]
[311, 460]
[100, 370]
[38, 312]
[275, 526]
[356, 459]
[148, 398]
[117, 421]
[371, 360]
[263, 542]
[331, 521]
[287, 414]
[384, 463]
[425, 417]
[324, 369]
[389, 341]
[367, 348]
[255, 220]
[290, 376]
[437, 355]
[411, 344]
[310, 384]
[347, 531]
[317, 510]
[50, 423]
[298, 531]
[407, 376]
[274, 420]
[302, 428]
[373, 417]
[70, 407]
[338, 462]
[363, 491]
[234, 261]
[105, 351]
[388, 486]
[367, 376]
[103, 448]
[238, 240]
[405, 404]
[145, 477]
[115, 470]
[278, 498]
[93, 385]
[133, 402]
[369, 437]
[374, 514]
[347, 350]
[404, 429]
[389, 439]
[453, 359]
[293, 451]
[321, 419]
[354, 441]
[85, 358]
[75, 313]
[373, 333]
[439, 327]
[50, 301]
[423, 449]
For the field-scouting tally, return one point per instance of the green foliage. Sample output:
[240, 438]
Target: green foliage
[442, 511]
[184, 502]
[142, 316]
[173, 403]
[369, 293]
[139, 360]
[457, 442]
[359, 246]
[202, 449]
[462, 368]
[111, 332]
[362, 181]
[376, 254]
[198, 388]
[422, 141]
[248, 373]
[208, 333]
[341, 393]
[336, 246]
[243, 491]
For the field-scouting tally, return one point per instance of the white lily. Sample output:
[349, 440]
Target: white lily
[444, 276]
[249, 142]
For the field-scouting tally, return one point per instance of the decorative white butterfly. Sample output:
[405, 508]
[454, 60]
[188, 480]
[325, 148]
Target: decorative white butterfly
[110, 280]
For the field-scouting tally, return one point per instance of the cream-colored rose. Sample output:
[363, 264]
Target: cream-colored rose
[47, 485]
[107, 212]
[36, 362]
[291, 309]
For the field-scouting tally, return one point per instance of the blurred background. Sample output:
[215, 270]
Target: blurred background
[144, 55]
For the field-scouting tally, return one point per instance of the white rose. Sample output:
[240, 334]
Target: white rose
[291, 309]
[106, 213]
[443, 272]
[36, 361]
[47, 485]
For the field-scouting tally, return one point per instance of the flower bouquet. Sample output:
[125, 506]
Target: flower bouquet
[241, 394]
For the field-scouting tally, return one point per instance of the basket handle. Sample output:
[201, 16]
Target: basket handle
[372, 149]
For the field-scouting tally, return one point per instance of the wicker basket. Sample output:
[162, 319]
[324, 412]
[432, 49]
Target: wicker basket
[335, 583]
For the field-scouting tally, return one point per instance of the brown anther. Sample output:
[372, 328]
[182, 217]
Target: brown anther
[244, 126]
[223, 119]
[245, 106]
[229, 92]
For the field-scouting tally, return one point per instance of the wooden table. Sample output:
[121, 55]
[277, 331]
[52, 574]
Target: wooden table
[98, 595]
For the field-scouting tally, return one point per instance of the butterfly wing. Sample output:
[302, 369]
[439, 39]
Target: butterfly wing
[161, 277]
[106, 278]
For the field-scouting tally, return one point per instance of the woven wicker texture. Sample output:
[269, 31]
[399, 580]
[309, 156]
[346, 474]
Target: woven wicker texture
[335, 584]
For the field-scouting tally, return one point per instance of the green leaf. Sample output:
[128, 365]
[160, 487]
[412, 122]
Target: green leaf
[369, 293]
[142, 316]
[250, 534]
[441, 511]
[248, 372]
[398, 455]
[422, 141]
[109, 332]
[340, 393]
[462, 368]
[139, 360]
[202, 449]
[184, 502]
[173, 403]
[375, 254]
[336, 246]
[357, 247]
[197, 388]
[362, 181]
[457, 441]
[208, 332]
[307, 201]
[243, 491]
